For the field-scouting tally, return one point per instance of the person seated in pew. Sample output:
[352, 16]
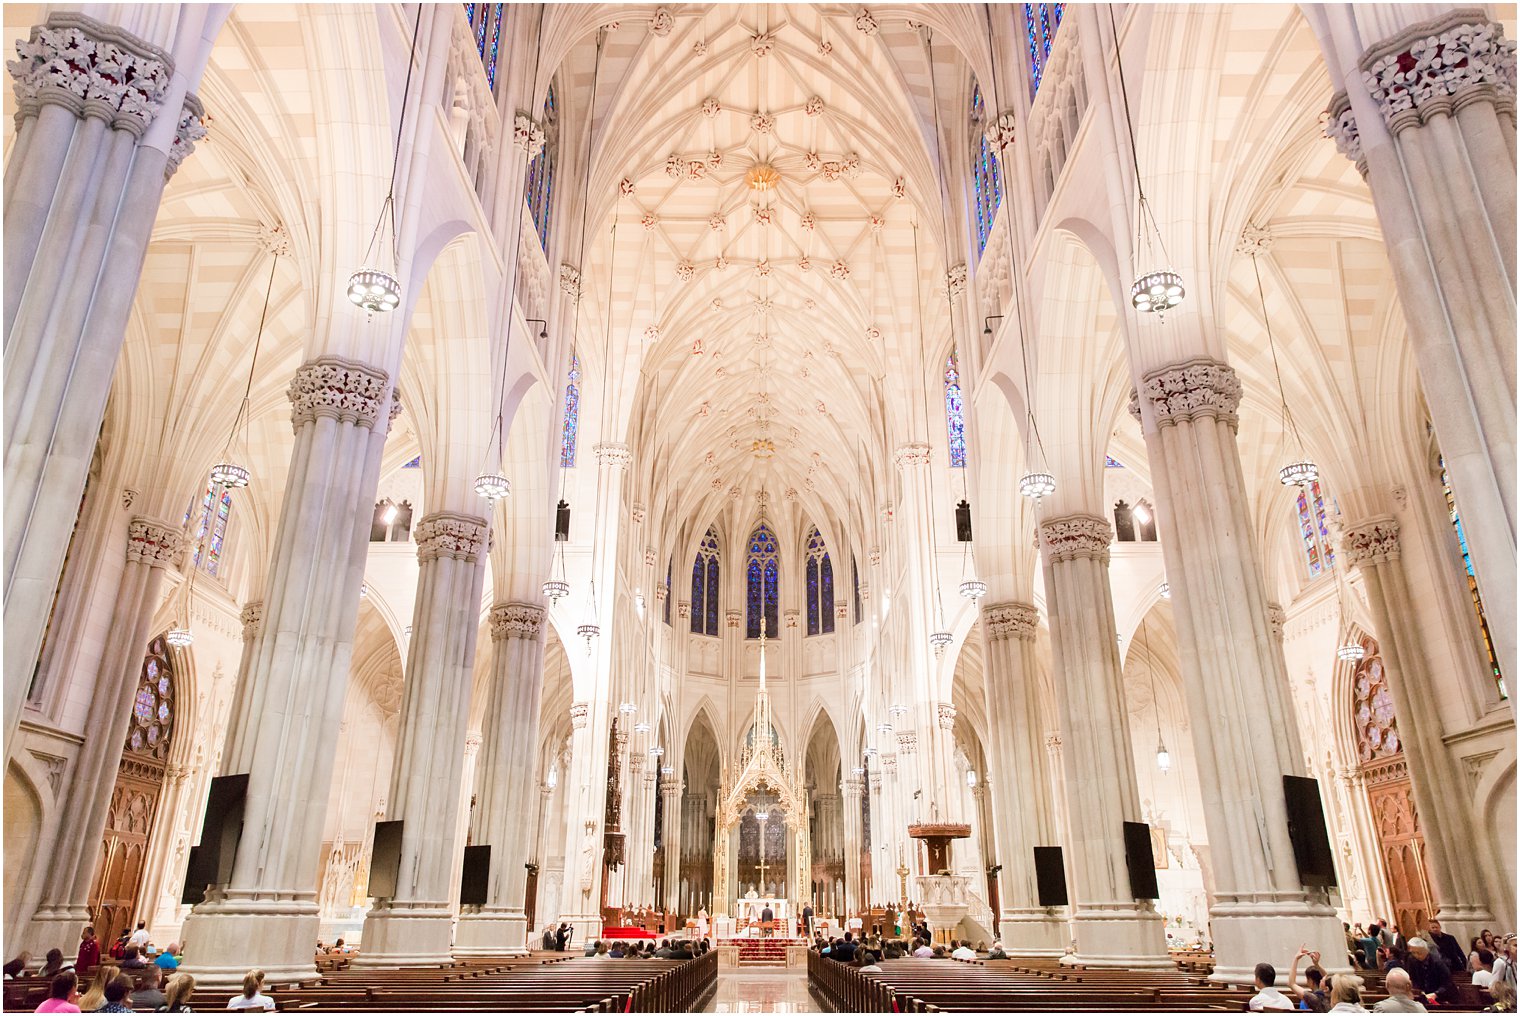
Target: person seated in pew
[996, 952]
[893, 951]
[253, 996]
[1316, 997]
[1267, 997]
[1429, 972]
[1346, 993]
[63, 993]
[844, 951]
[921, 949]
[1482, 967]
[865, 962]
[145, 992]
[598, 950]
[1504, 997]
[664, 952]
[617, 952]
[1400, 994]
[962, 951]
[118, 995]
[17, 967]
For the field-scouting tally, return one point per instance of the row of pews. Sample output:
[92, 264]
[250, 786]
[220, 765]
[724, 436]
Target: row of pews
[928, 985]
[558, 984]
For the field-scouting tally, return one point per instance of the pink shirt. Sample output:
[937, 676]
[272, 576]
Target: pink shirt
[58, 1005]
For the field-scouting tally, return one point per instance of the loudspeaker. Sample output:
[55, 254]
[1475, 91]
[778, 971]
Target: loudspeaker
[1141, 858]
[211, 861]
[1306, 828]
[963, 521]
[562, 522]
[1050, 874]
[477, 874]
[385, 860]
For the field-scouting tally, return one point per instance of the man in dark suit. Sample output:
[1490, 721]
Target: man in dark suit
[767, 918]
[807, 920]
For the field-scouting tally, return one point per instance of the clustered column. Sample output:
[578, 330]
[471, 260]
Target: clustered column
[103, 120]
[415, 926]
[851, 788]
[505, 787]
[1022, 817]
[670, 800]
[1440, 797]
[152, 546]
[284, 727]
[1232, 670]
[1111, 927]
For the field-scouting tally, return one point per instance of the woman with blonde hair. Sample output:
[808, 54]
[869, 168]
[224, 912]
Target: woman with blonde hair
[177, 994]
[96, 996]
[253, 996]
[1346, 994]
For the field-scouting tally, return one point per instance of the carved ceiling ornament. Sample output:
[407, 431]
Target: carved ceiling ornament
[1011, 621]
[1255, 240]
[711, 107]
[1196, 388]
[662, 22]
[865, 23]
[1076, 536]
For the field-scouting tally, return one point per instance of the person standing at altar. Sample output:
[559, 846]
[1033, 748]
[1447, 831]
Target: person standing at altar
[767, 920]
[807, 920]
[702, 924]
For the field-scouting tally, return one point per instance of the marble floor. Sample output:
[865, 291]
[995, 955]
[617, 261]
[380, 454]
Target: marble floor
[762, 990]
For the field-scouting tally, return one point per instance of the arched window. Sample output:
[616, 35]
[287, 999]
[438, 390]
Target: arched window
[540, 190]
[153, 705]
[1040, 24]
[820, 585]
[1472, 578]
[208, 555]
[704, 587]
[1314, 529]
[761, 574]
[669, 570]
[987, 180]
[855, 580]
[485, 22]
[955, 419]
[1377, 728]
[572, 422]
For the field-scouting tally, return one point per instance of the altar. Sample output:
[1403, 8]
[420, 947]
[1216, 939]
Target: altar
[749, 909]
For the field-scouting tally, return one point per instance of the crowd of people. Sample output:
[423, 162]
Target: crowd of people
[645, 949]
[865, 952]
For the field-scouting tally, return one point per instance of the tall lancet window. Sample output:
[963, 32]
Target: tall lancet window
[669, 571]
[540, 195]
[571, 426]
[1314, 529]
[987, 180]
[1472, 579]
[485, 23]
[704, 587]
[215, 513]
[820, 585]
[760, 578]
[1040, 24]
[955, 419]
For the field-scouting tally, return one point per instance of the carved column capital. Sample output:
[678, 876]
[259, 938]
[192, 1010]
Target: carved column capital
[955, 279]
[517, 621]
[579, 711]
[1001, 132]
[670, 786]
[154, 542]
[94, 69]
[946, 712]
[1340, 127]
[876, 780]
[192, 127]
[1053, 743]
[907, 742]
[1011, 620]
[253, 619]
[914, 453]
[1371, 541]
[732, 617]
[1438, 66]
[1076, 536]
[852, 787]
[635, 764]
[615, 455]
[527, 134]
[450, 534]
[1276, 619]
[1193, 389]
[472, 744]
[346, 390]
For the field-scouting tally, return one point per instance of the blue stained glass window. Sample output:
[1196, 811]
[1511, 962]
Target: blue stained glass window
[760, 578]
[414, 464]
[495, 47]
[1314, 529]
[704, 587]
[572, 415]
[211, 548]
[987, 181]
[669, 569]
[540, 191]
[855, 580]
[1472, 579]
[955, 420]
[820, 586]
[1109, 462]
[1040, 24]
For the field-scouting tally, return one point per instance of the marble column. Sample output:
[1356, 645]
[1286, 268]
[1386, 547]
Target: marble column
[1428, 117]
[854, 893]
[670, 800]
[1440, 795]
[152, 546]
[1233, 674]
[1021, 805]
[415, 927]
[505, 786]
[1111, 927]
[289, 704]
[103, 119]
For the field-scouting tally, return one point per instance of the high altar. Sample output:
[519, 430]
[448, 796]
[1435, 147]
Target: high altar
[750, 908]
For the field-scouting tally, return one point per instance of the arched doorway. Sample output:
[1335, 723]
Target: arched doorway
[1390, 798]
[134, 800]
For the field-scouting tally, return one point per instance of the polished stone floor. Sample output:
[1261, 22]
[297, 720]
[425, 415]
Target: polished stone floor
[759, 990]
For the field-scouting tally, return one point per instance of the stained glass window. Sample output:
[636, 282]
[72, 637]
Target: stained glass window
[208, 554]
[485, 25]
[820, 585]
[760, 579]
[1472, 579]
[669, 570]
[855, 580]
[1040, 24]
[540, 195]
[1314, 530]
[414, 464]
[955, 420]
[1377, 728]
[704, 587]
[153, 705]
[987, 180]
[1109, 462]
[572, 414]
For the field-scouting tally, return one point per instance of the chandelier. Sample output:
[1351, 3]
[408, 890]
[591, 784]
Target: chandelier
[1351, 652]
[179, 638]
[1157, 292]
[973, 589]
[1037, 485]
[492, 486]
[940, 640]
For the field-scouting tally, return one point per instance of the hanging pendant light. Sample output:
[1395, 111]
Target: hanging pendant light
[1298, 474]
[1037, 485]
[1165, 590]
[374, 290]
[1163, 757]
[1157, 292]
[492, 486]
[1351, 652]
[973, 589]
[940, 640]
[588, 632]
[178, 637]
[556, 589]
